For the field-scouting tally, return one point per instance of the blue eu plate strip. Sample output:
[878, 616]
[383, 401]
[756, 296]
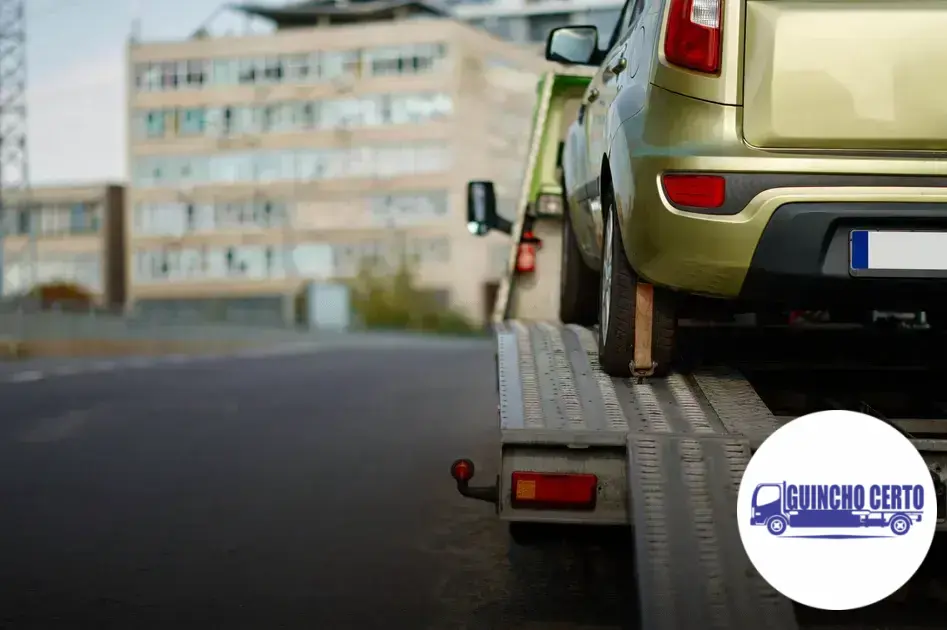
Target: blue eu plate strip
[859, 249]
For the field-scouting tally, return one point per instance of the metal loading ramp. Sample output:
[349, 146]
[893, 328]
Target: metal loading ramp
[688, 440]
[692, 571]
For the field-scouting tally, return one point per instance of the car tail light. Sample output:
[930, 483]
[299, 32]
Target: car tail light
[554, 490]
[693, 38]
[696, 191]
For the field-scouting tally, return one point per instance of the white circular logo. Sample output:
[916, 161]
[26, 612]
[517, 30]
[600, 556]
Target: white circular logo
[837, 510]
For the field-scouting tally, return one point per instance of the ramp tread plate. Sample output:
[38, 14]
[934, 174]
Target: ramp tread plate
[551, 384]
[693, 573]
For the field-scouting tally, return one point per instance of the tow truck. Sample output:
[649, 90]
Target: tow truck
[666, 456]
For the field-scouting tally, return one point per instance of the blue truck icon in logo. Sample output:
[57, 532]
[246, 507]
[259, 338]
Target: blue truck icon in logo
[781, 506]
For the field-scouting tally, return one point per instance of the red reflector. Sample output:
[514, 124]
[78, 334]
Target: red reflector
[554, 490]
[693, 35]
[697, 191]
[462, 471]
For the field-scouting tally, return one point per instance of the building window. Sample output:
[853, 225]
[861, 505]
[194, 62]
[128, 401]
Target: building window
[384, 61]
[248, 71]
[273, 70]
[148, 77]
[288, 165]
[301, 68]
[84, 218]
[338, 65]
[196, 73]
[411, 59]
[193, 122]
[169, 75]
[226, 72]
[154, 124]
[307, 115]
[246, 120]
[290, 116]
[409, 209]
[293, 68]
[414, 109]
[277, 118]
[424, 57]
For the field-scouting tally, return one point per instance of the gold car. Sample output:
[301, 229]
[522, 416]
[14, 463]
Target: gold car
[764, 153]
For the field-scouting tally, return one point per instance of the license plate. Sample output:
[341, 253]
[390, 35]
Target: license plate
[875, 252]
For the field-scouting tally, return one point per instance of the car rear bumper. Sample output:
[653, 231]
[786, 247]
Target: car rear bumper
[803, 257]
[786, 241]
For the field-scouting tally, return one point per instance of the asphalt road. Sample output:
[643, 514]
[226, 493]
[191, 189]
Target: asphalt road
[294, 491]
[305, 491]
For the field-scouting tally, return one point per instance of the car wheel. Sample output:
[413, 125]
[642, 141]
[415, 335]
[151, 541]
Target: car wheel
[616, 316]
[578, 283]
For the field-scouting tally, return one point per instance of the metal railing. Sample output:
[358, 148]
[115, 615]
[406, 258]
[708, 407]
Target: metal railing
[27, 320]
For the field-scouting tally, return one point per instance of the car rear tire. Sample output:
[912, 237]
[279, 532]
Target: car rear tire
[616, 309]
[578, 283]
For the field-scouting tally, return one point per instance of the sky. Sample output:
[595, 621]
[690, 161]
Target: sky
[76, 83]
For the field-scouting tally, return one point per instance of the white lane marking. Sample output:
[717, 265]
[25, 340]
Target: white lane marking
[180, 359]
[27, 377]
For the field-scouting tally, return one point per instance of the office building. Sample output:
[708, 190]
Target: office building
[262, 162]
[64, 234]
[529, 21]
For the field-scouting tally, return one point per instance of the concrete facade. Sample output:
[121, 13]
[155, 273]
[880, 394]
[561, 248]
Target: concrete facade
[259, 163]
[73, 234]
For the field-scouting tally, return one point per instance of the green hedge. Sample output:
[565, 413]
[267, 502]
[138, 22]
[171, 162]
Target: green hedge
[392, 301]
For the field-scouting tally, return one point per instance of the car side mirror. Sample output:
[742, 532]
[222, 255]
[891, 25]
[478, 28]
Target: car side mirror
[482, 209]
[573, 45]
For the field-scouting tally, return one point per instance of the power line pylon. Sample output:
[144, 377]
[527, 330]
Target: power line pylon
[14, 160]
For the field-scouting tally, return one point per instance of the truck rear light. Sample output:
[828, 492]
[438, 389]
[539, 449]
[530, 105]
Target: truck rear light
[549, 205]
[696, 191]
[554, 490]
[693, 39]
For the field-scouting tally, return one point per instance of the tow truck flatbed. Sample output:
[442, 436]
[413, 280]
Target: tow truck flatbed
[667, 457]
[553, 396]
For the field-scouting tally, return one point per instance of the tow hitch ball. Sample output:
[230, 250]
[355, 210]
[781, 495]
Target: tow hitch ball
[462, 471]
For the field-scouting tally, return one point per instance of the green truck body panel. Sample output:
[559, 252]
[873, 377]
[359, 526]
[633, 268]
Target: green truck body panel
[566, 89]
